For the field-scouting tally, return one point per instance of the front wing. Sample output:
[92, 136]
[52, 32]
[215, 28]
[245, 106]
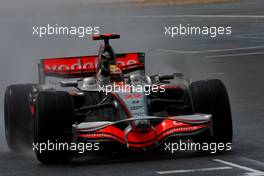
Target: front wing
[175, 126]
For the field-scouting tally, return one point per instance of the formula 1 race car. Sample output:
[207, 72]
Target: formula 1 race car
[108, 100]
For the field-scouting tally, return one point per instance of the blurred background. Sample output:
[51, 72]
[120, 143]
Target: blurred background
[236, 59]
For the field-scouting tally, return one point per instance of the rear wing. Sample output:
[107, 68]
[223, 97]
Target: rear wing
[85, 66]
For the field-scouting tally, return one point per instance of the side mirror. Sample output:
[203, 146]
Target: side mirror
[166, 77]
[69, 83]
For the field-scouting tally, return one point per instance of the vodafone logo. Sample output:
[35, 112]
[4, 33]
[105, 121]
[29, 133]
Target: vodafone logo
[123, 63]
[80, 64]
[70, 66]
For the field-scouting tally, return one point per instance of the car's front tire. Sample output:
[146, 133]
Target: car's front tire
[53, 126]
[211, 97]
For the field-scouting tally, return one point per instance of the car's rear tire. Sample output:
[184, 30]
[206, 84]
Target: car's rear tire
[53, 126]
[211, 97]
[18, 118]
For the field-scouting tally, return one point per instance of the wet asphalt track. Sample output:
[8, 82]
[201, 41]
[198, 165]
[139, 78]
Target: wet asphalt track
[240, 68]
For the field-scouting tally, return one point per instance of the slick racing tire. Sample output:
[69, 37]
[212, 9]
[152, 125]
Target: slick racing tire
[53, 127]
[210, 97]
[18, 118]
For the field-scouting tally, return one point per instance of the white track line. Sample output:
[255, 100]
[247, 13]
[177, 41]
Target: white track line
[211, 51]
[233, 55]
[250, 170]
[192, 170]
[196, 16]
[256, 162]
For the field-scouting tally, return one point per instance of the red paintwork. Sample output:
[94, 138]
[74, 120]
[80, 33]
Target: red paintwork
[87, 64]
[135, 95]
[32, 109]
[140, 140]
[107, 35]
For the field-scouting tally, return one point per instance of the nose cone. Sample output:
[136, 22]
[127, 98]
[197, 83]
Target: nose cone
[142, 126]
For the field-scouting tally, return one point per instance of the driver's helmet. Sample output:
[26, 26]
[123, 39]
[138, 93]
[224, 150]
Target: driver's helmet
[103, 64]
[103, 69]
[116, 74]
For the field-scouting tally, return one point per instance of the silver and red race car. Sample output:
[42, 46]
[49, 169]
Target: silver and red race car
[108, 100]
